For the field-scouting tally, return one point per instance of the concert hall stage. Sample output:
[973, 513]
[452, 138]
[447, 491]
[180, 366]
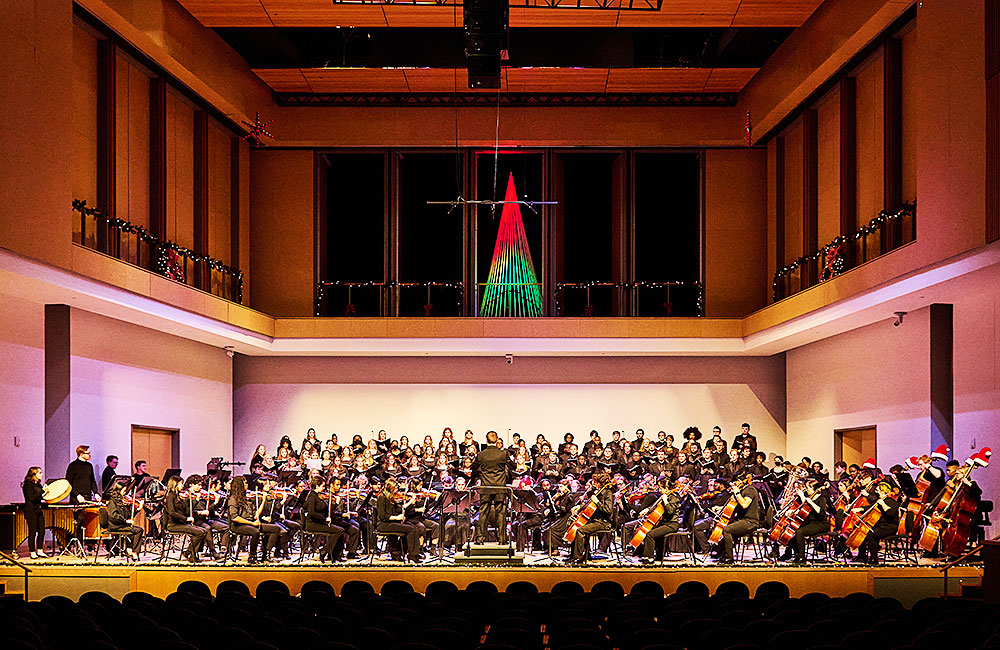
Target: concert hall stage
[906, 583]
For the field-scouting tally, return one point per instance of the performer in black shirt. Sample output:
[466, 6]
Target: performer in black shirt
[600, 521]
[494, 470]
[80, 474]
[180, 518]
[886, 500]
[816, 522]
[744, 439]
[109, 473]
[318, 519]
[345, 518]
[669, 522]
[121, 518]
[390, 517]
[745, 520]
[32, 490]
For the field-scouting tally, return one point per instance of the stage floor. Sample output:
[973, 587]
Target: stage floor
[72, 577]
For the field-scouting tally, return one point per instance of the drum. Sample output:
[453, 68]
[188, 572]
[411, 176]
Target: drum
[91, 523]
[56, 491]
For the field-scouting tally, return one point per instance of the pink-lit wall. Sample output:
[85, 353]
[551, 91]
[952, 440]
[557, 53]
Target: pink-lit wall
[877, 375]
[124, 375]
[418, 396]
[22, 389]
[121, 375]
[880, 375]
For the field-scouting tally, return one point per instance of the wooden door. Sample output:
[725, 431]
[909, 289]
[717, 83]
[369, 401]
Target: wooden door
[158, 447]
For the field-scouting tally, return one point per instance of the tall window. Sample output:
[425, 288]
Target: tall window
[430, 236]
[667, 232]
[493, 174]
[355, 231]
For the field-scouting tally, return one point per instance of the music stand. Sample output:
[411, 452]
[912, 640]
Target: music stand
[288, 477]
[523, 503]
[461, 501]
[492, 490]
[170, 473]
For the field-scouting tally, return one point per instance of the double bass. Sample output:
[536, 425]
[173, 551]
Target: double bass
[584, 515]
[726, 516]
[951, 521]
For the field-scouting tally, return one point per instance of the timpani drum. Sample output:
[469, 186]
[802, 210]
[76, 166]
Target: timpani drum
[91, 523]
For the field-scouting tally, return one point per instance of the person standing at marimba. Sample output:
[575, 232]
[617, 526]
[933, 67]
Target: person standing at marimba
[80, 474]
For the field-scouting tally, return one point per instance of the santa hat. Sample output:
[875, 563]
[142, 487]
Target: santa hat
[941, 453]
[983, 457]
[870, 464]
[911, 462]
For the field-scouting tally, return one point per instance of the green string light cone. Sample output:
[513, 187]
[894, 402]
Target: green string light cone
[512, 288]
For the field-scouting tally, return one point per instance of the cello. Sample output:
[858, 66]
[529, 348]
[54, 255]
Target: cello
[792, 518]
[914, 506]
[655, 515]
[863, 524]
[952, 508]
[584, 515]
[726, 516]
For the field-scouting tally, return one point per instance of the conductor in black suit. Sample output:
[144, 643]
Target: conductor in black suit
[494, 469]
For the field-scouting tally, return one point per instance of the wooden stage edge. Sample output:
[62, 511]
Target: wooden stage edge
[906, 583]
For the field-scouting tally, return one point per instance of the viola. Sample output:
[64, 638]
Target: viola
[727, 511]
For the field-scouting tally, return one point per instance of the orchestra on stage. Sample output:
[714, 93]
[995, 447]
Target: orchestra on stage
[637, 502]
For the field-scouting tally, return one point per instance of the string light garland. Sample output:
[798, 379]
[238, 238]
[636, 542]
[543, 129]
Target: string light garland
[589, 311]
[256, 131]
[749, 131]
[166, 251]
[834, 250]
[350, 310]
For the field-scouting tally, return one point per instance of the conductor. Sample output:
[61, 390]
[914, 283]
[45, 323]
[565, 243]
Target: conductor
[493, 471]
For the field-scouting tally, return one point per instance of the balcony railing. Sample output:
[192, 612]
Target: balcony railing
[643, 299]
[428, 299]
[376, 298]
[883, 234]
[135, 245]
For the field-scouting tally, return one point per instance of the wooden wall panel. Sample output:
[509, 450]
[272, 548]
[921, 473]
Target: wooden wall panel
[356, 80]
[810, 211]
[828, 167]
[793, 193]
[557, 80]
[84, 153]
[758, 13]
[625, 80]
[848, 155]
[869, 138]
